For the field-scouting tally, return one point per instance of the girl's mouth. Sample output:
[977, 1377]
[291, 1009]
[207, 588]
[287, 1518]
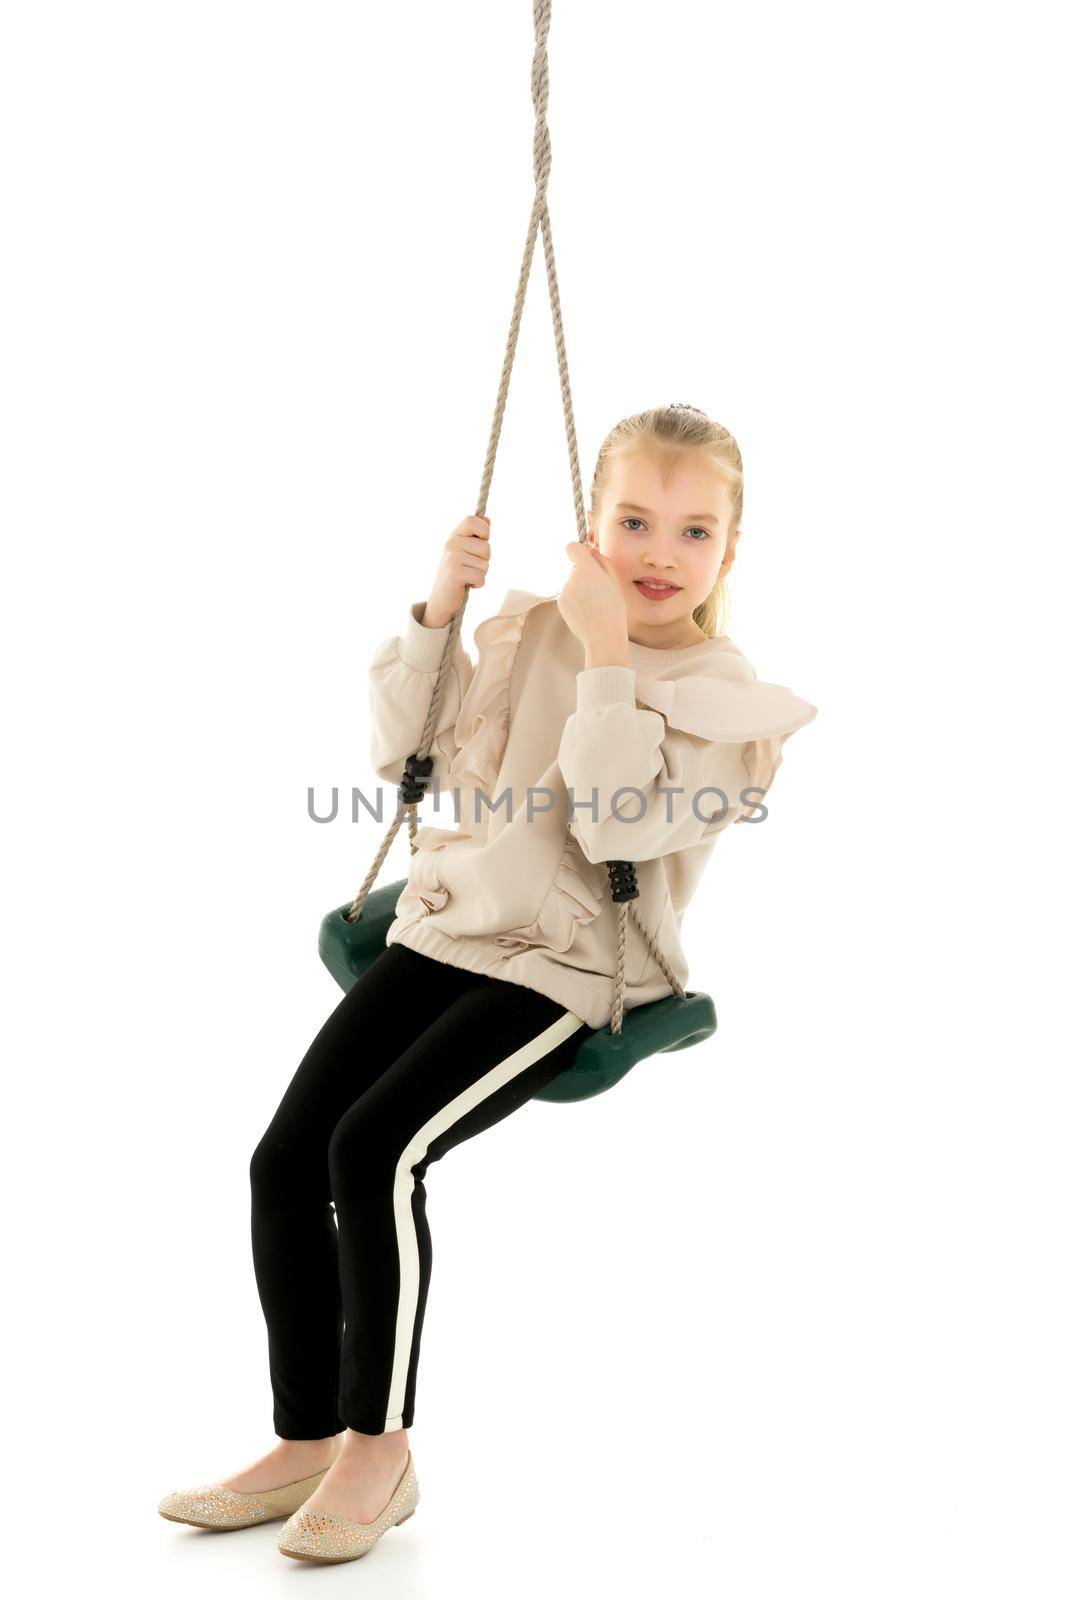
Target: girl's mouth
[655, 591]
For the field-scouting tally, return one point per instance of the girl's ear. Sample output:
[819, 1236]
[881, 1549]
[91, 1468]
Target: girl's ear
[731, 551]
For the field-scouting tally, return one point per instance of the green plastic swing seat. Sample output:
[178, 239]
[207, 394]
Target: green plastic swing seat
[349, 948]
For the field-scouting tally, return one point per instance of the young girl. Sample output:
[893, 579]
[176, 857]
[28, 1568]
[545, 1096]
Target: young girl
[611, 721]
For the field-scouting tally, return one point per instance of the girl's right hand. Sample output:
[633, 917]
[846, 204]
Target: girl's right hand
[465, 561]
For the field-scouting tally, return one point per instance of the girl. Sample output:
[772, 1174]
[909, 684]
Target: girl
[611, 721]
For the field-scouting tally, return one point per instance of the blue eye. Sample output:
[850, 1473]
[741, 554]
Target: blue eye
[704, 534]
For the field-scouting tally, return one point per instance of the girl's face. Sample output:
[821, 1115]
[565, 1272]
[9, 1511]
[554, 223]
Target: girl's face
[662, 525]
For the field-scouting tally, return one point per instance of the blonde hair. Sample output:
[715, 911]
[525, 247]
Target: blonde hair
[676, 428]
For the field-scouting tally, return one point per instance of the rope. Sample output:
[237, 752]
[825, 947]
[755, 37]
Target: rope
[539, 223]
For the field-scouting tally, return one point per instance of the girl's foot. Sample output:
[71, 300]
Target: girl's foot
[289, 1461]
[362, 1480]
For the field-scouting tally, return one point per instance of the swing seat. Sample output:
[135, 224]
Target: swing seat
[349, 948]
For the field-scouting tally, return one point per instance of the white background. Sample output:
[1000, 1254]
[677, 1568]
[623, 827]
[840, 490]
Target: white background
[783, 1314]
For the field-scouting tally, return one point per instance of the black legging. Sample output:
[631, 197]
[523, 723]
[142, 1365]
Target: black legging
[417, 1057]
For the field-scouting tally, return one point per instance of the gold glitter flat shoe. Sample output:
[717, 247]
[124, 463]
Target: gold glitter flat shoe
[210, 1505]
[314, 1535]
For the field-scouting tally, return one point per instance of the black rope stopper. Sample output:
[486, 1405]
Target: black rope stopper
[413, 784]
[623, 876]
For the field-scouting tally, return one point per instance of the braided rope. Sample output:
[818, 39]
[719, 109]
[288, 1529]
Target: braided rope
[539, 223]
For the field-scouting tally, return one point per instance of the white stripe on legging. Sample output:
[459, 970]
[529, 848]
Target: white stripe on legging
[404, 1184]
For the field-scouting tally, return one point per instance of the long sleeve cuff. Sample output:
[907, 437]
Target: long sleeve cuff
[421, 648]
[606, 686]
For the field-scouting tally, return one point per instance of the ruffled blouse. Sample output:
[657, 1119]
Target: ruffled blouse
[557, 768]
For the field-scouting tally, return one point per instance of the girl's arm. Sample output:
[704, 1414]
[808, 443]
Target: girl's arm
[403, 672]
[712, 735]
[404, 669]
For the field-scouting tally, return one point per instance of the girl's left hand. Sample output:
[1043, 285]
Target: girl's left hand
[592, 602]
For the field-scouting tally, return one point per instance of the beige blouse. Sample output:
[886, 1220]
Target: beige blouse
[556, 768]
